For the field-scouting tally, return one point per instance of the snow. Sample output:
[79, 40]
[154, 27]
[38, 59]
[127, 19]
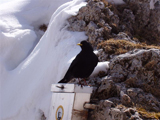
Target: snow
[117, 2]
[19, 27]
[102, 66]
[152, 2]
[31, 60]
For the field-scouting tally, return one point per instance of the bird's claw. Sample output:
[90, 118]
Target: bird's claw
[80, 84]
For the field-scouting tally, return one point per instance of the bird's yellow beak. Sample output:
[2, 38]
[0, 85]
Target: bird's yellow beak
[79, 44]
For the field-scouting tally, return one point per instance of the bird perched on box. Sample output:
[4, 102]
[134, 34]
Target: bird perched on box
[83, 65]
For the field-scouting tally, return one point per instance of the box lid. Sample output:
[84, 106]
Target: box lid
[70, 88]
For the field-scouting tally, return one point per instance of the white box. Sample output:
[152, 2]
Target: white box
[67, 103]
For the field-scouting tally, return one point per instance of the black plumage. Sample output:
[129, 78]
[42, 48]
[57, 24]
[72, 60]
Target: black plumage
[83, 65]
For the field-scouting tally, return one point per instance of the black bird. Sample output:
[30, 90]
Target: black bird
[83, 65]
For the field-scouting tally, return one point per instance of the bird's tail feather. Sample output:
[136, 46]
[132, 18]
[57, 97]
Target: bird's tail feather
[62, 81]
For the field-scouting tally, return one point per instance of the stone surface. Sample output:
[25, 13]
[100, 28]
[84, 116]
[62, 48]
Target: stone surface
[130, 81]
[77, 25]
[107, 89]
[133, 78]
[106, 111]
[134, 18]
[143, 98]
[125, 99]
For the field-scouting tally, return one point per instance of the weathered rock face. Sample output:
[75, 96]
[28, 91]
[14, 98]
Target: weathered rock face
[101, 21]
[133, 78]
[107, 89]
[92, 19]
[139, 68]
[141, 20]
[146, 99]
[146, 16]
[106, 111]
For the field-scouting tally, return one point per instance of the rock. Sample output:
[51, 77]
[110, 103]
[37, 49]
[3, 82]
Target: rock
[102, 56]
[115, 100]
[124, 67]
[155, 18]
[106, 103]
[125, 99]
[107, 31]
[100, 5]
[108, 12]
[92, 19]
[128, 16]
[115, 114]
[132, 92]
[105, 111]
[131, 114]
[91, 12]
[139, 68]
[124, 36]
[97, 34]
[90, 30]
[145, 99]
[106, 89]
[143, 13]
[147, 18]
[134, 77]
[77, 25]
[115, 19]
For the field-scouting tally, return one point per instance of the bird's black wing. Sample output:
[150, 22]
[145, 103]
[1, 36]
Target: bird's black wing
[68, 76]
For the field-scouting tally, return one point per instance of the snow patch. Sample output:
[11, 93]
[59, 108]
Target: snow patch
[29, 66]
[102, 66]
[152, 2]
[117, 2]
[31, 60]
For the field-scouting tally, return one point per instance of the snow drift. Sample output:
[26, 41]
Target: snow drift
[31, 60]
[19, 24]
[26, 75]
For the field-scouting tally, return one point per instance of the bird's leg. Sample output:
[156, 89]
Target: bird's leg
[80, 83]
[85, 81]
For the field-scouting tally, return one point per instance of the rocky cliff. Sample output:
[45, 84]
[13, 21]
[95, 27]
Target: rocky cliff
[127, 35]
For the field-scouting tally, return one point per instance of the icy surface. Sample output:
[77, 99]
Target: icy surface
[28, 66]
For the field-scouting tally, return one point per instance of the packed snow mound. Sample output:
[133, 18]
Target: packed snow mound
[19, 23]
[29, 66]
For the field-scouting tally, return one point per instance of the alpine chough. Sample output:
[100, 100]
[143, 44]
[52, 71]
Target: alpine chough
[83, 65]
